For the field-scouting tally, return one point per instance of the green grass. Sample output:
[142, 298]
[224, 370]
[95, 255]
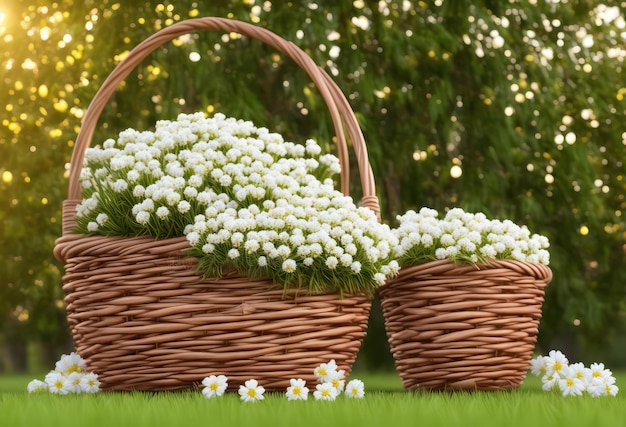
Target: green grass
[385, 404]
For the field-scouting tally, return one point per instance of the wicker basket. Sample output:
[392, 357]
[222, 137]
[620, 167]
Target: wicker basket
[463, 327]
[143, 318]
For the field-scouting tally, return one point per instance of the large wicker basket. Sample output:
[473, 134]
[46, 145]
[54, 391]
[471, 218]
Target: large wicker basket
[143, 318]
[464, 327]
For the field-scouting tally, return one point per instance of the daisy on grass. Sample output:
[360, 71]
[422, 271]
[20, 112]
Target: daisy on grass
[297, 390]
[37, 386]
[599, 371]
[549, 382]
[325, 391]
[69, 363]
[323, 371]
[570, 384]
[355, 389]
[58, 383]
[75, 379]
[538, 366]
[556, 362]
[251, 391]
[89, 383]
[337, 379]
[581, 372]
[214, 386]
[603, 388]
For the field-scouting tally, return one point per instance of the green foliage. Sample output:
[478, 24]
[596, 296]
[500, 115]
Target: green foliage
[526, 98]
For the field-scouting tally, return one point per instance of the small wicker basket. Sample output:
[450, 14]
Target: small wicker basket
[464, 327]
[142, 316]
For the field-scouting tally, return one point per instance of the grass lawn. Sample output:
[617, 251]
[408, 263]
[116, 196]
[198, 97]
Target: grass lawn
[385, 404]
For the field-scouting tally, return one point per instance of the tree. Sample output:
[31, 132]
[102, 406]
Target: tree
[515, 109]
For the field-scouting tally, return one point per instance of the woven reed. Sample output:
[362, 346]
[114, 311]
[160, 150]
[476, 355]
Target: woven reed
[462, 327]
[143, 318]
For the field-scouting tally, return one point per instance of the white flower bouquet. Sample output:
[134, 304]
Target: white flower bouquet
[245, 199]
[465, 237]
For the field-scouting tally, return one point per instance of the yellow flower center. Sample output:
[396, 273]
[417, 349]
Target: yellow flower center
[59, 384]
[335, 383]
[595, 374]
[570, 382]
[325, 392]
[355, 391]
[322, 372]
[296, 390]
[558, 366]
[74, 368]
[251, 392]
[580, 375]
[213, 386]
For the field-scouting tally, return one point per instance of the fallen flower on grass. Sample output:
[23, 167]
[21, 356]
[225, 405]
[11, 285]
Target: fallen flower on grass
[355, 389]
[297, 390]
[325, 391]
[214, 386]
[251, 391]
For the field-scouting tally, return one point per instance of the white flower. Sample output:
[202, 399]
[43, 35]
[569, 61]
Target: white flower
[251, 391]
[36, 386]
[602, 387]
[120, 185]
[142, 217]
[214, 386]
[355, 389]
[69, 363]
[556, 363]
[331, 262]
[549, 382]
[599, 371]
[324, 370]
[92, 226]
[538, 366]
[569, 384]
[162, 212]
[297, 390]
[337, 379]
[289, 266]
[89, 383]
[102, 218]
[58, 383]
[233, 254]
[579, 371]
[183, 206]
[325, 391]
[75, 379]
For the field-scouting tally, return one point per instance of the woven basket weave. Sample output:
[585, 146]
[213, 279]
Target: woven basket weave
[143, 318]
[463, 327]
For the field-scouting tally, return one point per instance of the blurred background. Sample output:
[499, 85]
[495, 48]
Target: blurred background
[513, 108]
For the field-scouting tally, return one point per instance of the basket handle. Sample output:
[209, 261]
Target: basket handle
[338, 106]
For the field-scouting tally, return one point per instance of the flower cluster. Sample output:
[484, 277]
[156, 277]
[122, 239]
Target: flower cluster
[573, 379]
[68, 376]
[243, 197]
[332, 382]
[465, 237]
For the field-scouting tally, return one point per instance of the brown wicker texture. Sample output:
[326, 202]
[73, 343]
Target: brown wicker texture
[462, 327]
[143, 318]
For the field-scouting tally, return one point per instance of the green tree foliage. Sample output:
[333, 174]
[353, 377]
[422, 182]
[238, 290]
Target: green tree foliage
[516, 109]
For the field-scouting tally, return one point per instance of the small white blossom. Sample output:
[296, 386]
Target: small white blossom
[297, 390]
[214, 386]
[251, 391]
[325, 391]
[355, 389]
[37, 386]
